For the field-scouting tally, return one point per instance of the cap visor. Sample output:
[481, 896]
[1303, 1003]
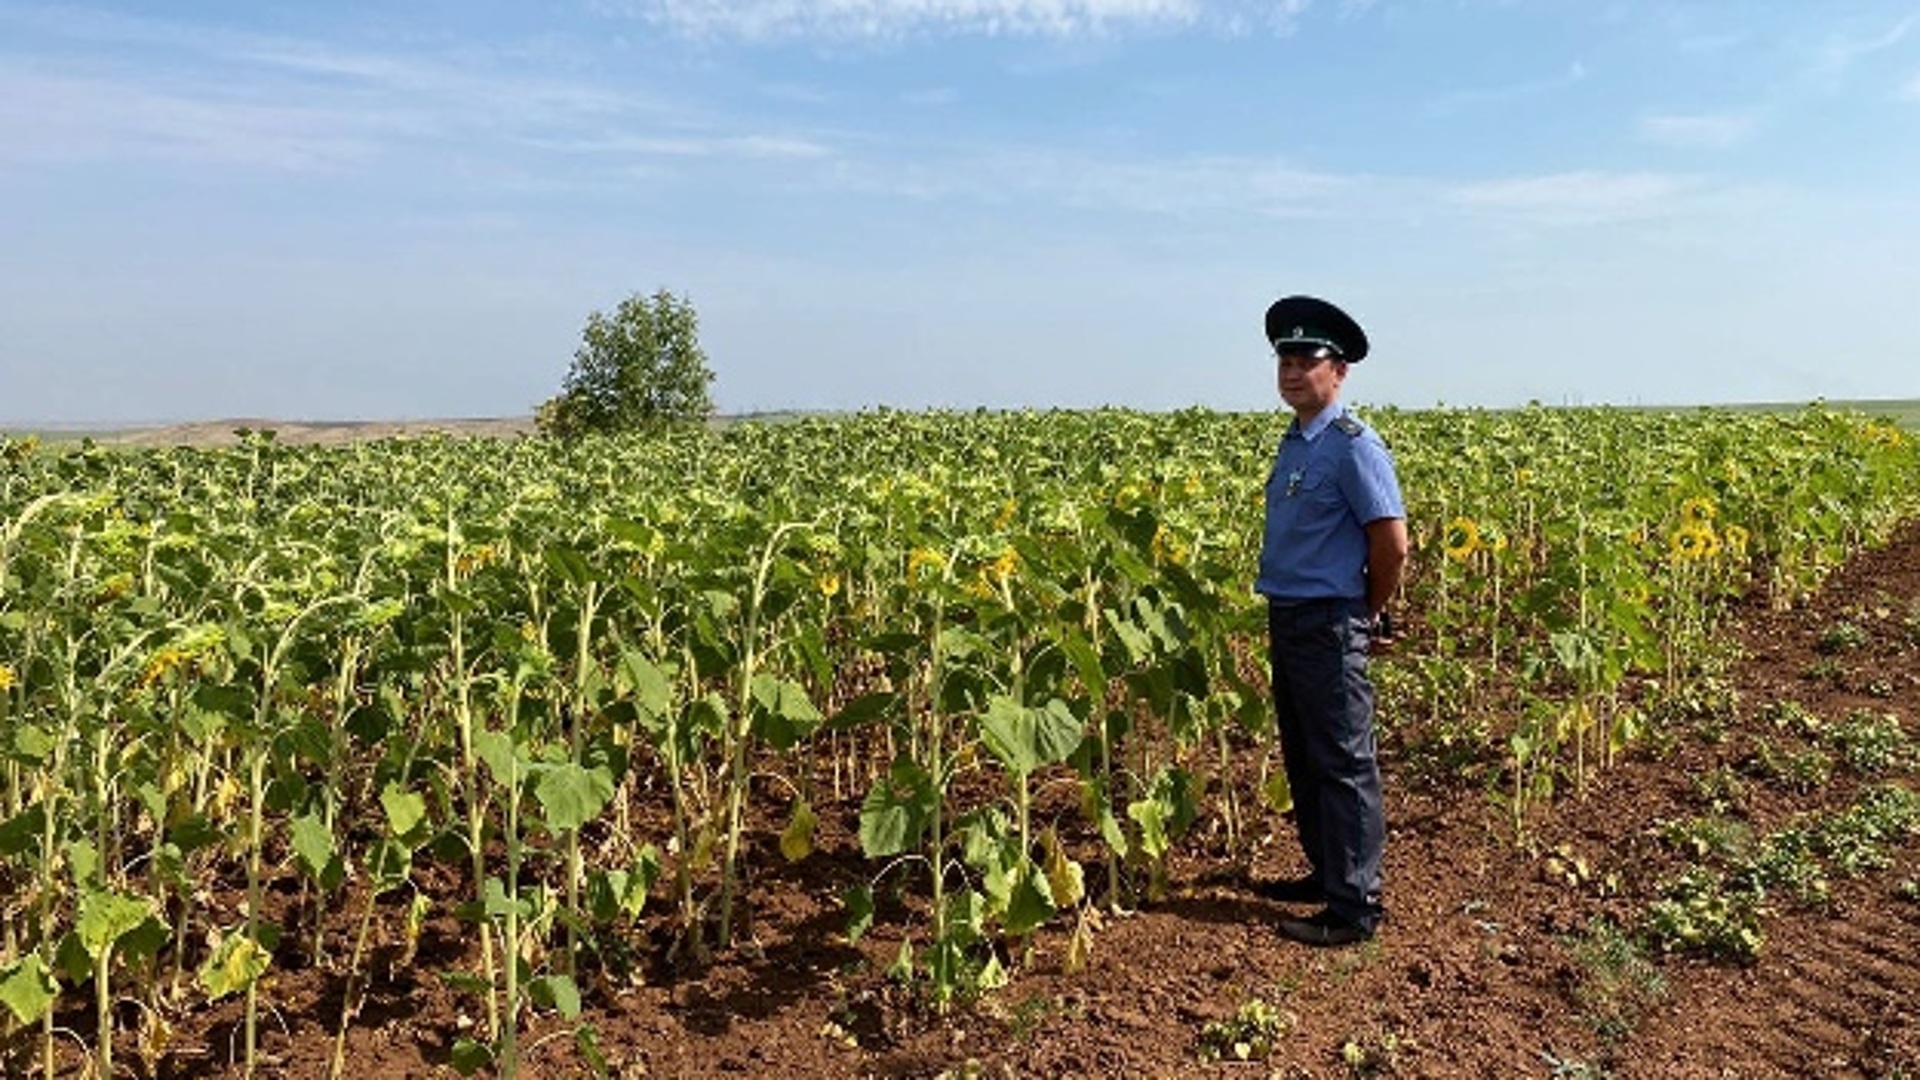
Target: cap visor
[1307, 342]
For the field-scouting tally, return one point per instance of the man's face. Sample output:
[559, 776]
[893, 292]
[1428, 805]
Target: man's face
[1310, 379]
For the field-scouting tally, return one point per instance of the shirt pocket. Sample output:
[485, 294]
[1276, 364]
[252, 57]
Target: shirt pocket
[1318, 484]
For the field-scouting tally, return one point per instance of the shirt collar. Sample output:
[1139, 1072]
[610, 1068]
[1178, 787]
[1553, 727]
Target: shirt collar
[1318, 424]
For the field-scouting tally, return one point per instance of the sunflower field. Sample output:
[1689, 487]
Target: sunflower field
[265, 700]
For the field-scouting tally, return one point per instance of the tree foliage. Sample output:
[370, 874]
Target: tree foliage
[640, 368]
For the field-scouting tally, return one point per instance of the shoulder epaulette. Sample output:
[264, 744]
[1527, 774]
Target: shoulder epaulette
[1349, 425]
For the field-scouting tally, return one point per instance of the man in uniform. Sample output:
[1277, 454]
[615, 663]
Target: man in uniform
[1331, 557]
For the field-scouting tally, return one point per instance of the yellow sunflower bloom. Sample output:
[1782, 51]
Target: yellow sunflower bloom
[473, 560]
[1886, 435]
[8, 679]
[169, 658]
[1697, 511]
[1168, 548]
[1462, 538]
[1692, 542]
[925, 562]
[19, 449]
[1005, 565]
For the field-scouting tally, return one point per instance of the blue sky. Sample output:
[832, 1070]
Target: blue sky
[359, 210]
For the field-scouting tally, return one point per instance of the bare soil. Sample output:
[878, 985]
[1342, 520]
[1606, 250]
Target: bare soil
[1483, 969]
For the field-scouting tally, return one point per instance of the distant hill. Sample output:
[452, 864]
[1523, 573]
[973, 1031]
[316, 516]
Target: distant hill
[293, 432]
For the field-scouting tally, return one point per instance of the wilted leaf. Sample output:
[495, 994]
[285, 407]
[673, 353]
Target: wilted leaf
[1031, 903]
[705, 839]
[796, 841]
[1152, 819]
[993, 974]
[902, 968]
[1079, 946]
[1066, 878]
[1277, 793]
[233, 966]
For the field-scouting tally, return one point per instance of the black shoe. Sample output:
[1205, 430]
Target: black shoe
[1324, 929]
[1300, 890]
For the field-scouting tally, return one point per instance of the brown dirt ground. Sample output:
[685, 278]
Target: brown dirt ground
[1476, 973]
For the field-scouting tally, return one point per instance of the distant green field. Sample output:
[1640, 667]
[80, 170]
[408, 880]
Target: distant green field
[1905, 412]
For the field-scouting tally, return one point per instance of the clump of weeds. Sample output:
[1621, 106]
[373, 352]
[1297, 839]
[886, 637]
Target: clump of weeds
[1375, 1055]
[1844, 635]
[1618, 982]
[1802, 770]
[1250, 1034]
[1872, 743]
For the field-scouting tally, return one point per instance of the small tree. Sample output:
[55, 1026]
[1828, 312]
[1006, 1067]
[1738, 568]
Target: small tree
[639, 369]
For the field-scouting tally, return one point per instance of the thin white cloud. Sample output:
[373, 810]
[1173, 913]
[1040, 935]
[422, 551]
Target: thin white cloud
[1911, 92]
[58, 119]
[238, 99]
[756, 20]
[1842, 53]
[1203, 185]
[1281, 19]
[1711, 131]
[1579, 197]
[1047, 179]
[749, 147]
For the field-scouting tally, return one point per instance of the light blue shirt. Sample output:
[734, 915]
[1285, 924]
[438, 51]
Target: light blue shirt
[1330, 480]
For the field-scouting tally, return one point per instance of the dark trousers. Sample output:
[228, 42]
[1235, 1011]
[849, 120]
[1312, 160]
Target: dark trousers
[1317, 651]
